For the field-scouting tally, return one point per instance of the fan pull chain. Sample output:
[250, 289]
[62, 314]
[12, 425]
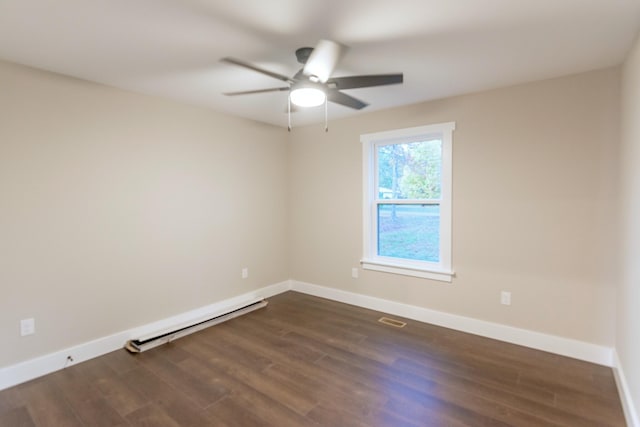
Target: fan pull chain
[326, 115]
[289, 112]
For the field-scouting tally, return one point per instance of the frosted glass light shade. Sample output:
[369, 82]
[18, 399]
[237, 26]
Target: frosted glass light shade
[307, 97]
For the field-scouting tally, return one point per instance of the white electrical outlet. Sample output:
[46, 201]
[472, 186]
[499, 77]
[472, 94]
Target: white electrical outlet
[245, 273]
[354, 272]
[27, 327]
[505, 298]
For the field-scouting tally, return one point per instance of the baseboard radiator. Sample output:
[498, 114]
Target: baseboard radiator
[147, 343]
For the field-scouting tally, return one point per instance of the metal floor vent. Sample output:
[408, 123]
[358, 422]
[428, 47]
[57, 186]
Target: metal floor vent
[143, 344]
[392, 322]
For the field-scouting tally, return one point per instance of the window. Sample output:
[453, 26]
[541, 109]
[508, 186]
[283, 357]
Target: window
[407, 201]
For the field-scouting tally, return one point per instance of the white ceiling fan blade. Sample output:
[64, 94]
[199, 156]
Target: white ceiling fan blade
[323, 60]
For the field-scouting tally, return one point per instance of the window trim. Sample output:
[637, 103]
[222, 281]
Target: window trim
[442, 270]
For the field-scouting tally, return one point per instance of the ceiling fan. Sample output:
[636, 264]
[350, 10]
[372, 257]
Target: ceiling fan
[313, 85]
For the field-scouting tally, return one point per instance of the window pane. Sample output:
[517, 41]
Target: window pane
[409, 231]
[410, 170]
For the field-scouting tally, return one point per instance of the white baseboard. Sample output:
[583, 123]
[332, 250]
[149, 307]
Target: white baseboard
[630, 413]
[34, 368]
[30, 369]
[551, 343]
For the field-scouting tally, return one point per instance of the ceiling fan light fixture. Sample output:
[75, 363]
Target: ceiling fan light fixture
[313, 85]
[307, 96]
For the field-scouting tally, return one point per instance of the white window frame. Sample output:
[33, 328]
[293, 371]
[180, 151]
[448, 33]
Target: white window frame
[441, 270]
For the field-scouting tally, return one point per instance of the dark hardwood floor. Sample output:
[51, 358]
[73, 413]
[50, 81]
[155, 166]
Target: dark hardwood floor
[306, 361]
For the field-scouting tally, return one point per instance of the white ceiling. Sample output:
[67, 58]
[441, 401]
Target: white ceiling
[172, 48]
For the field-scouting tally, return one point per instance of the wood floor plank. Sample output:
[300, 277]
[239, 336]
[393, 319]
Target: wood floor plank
[326, 394]
[563, 382]
[46, 405]
[384, 418]
[304, 361]
[443, 373]
[282, 392]
[120, 396]
[430, 411]
[78, 388]
[151, 416]
[332, 415]
[120, 361]
[225, 348]
[320, 340]
[180, 407]
[201, 392]
[16, 417]
[600, 409]
[414, 389]
[235, 411]
[527, 401]
[273, 411]
[292, 350]
[11, 399]
[306, 365]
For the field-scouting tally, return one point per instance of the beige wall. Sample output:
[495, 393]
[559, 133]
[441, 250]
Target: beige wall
[119, 209]
[628, 326]
[533, 198]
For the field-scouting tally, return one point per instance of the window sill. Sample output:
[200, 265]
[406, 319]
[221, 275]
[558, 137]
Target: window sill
[405, 270]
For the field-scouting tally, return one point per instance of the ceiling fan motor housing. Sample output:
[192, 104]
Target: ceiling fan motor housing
[302, 54]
